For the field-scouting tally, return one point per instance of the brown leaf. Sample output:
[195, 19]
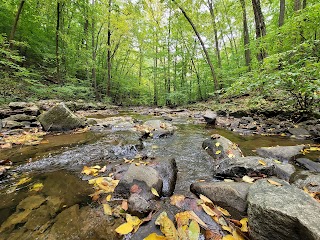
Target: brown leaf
[211, 235]
[274, 182]
[124, 205]
[135, 189]
[177, 200]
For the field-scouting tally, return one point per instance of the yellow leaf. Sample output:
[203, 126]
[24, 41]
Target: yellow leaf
[208, 210]
[124, 228]
[227, 228]
[177, 200]
[274, 182]
[217, 144]
[314, 149]
[194, 230]
[154, 147]
[108, 198]
[107, 209]
[167, 227]
[231, 155]
[154, 192]
[197, 219]
[133, 220]
[218, 152]
[244, 226]
[237, 236]
[224, 211]
[205, 199]
[182, 218]
[228, 237]
[36, 187]
[247, 179]
[277, 161]
[228, 180]
[154, 236]
[23, 181]
[262, 162]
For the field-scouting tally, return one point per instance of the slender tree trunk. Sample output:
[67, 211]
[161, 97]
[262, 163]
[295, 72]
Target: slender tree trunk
[94, 55]
[282, 12]
[210, 5]
[214, 77]
[246, 38]
[230, 28]
[297, 5]
[140, 65]
[168, 85]
[260, 27]
[57, 42]
[304, 4]
[155, 73]
[109, 51]
[15, 24]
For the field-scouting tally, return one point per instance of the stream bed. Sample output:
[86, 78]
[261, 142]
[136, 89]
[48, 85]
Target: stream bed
[57, 166]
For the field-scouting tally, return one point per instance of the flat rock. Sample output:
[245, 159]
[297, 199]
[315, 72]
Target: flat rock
[31, 202]
[300, 133]
[220, 147]
[308, 180]
[18, 105]
[282, 212]
[138, 206]
[232, 195]
[210, 117]
[308, 164]
[282, 153]
[13, 124]
[60, 118]
[21, 118]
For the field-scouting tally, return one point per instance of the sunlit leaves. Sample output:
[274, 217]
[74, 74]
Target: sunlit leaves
[154, 192]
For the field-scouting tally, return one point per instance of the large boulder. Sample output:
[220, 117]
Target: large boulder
[308, 164]
[252, 166]
[60, 118]
[210, 117]
[220, 147]
[230, 195]
[157, 129]
[282, 212]
[307, 180]
[282, 153]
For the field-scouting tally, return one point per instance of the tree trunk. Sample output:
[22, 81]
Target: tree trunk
[109, 51]
[230, 28]
[155, 73]
[282, 12]
[15, 24]
[214, 77]
[246, 39]
[94, 55]
[57, 42]
[210, 5]
[168, 84]
[304, 4]
[260, 26]
[297, 5]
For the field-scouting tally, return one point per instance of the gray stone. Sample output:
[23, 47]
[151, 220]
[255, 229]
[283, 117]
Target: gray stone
[13, 124]
[232, 196]
[282, 212]
[300, 133]
[220, 147]
[167, 170]
[308, 180]
[139, 179]
[18, 105]
[138, 206]
[282, 153]
[210, 117]
[308, 164]
[60, 118]
[284, 170]
[158, 129]
[21, 118]
[32, 110]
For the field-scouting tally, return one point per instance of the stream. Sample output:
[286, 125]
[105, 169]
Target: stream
[58, 164]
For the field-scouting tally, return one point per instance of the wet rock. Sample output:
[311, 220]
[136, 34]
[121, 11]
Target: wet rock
[38, 218]
[31, 202]
[158, 129]
[19, 217]
[305, 179]
[282, 153]
[54, 204]
[308, 164]
[220, 147]
[167, 170]
[138, 206]
[60, 118]
[282, 212]
[299, 133]
[232, 196]
[210, 117]
[139, 179]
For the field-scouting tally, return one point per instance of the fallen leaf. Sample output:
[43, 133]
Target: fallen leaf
[23, 181]
[262, 162]
[135, 189]
[277, 161]
[108, 198]
[154, 236]
[274, 182]
[228, 180]
[36, 187]
[107, 209]
[102, 170]
[154, 192]
[228, 237]
[217, 144]
[194, 230]
[247, 179]
[211, 235]
[208, 210]
[205, 199]
[124, 228]
[224, 211]
[218, 152]
[177, 200]
[124, 205]
[166, 226]
[133, 220]
[236, 222]
[227, 228]
[244, 224]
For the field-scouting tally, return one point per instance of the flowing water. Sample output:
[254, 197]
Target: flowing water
[57, 164]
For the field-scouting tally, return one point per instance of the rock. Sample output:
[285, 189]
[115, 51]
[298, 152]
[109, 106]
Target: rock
[167, 170]
[139, 179]
[13, 124]
[300, 133]
[283, 170]
[232, 195]
[32, 110]
[21, 118]
[220, 147]
[0, 124]
[31, 202]
[19, 217]
[38, 218]
[210, 117]
[167, 118]
[91, 121]
[282, 153]
[60, 118]
[138, 206]
[308, 164]
[158, 129]
[18, 105]
[308, 180]
[282, 212]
